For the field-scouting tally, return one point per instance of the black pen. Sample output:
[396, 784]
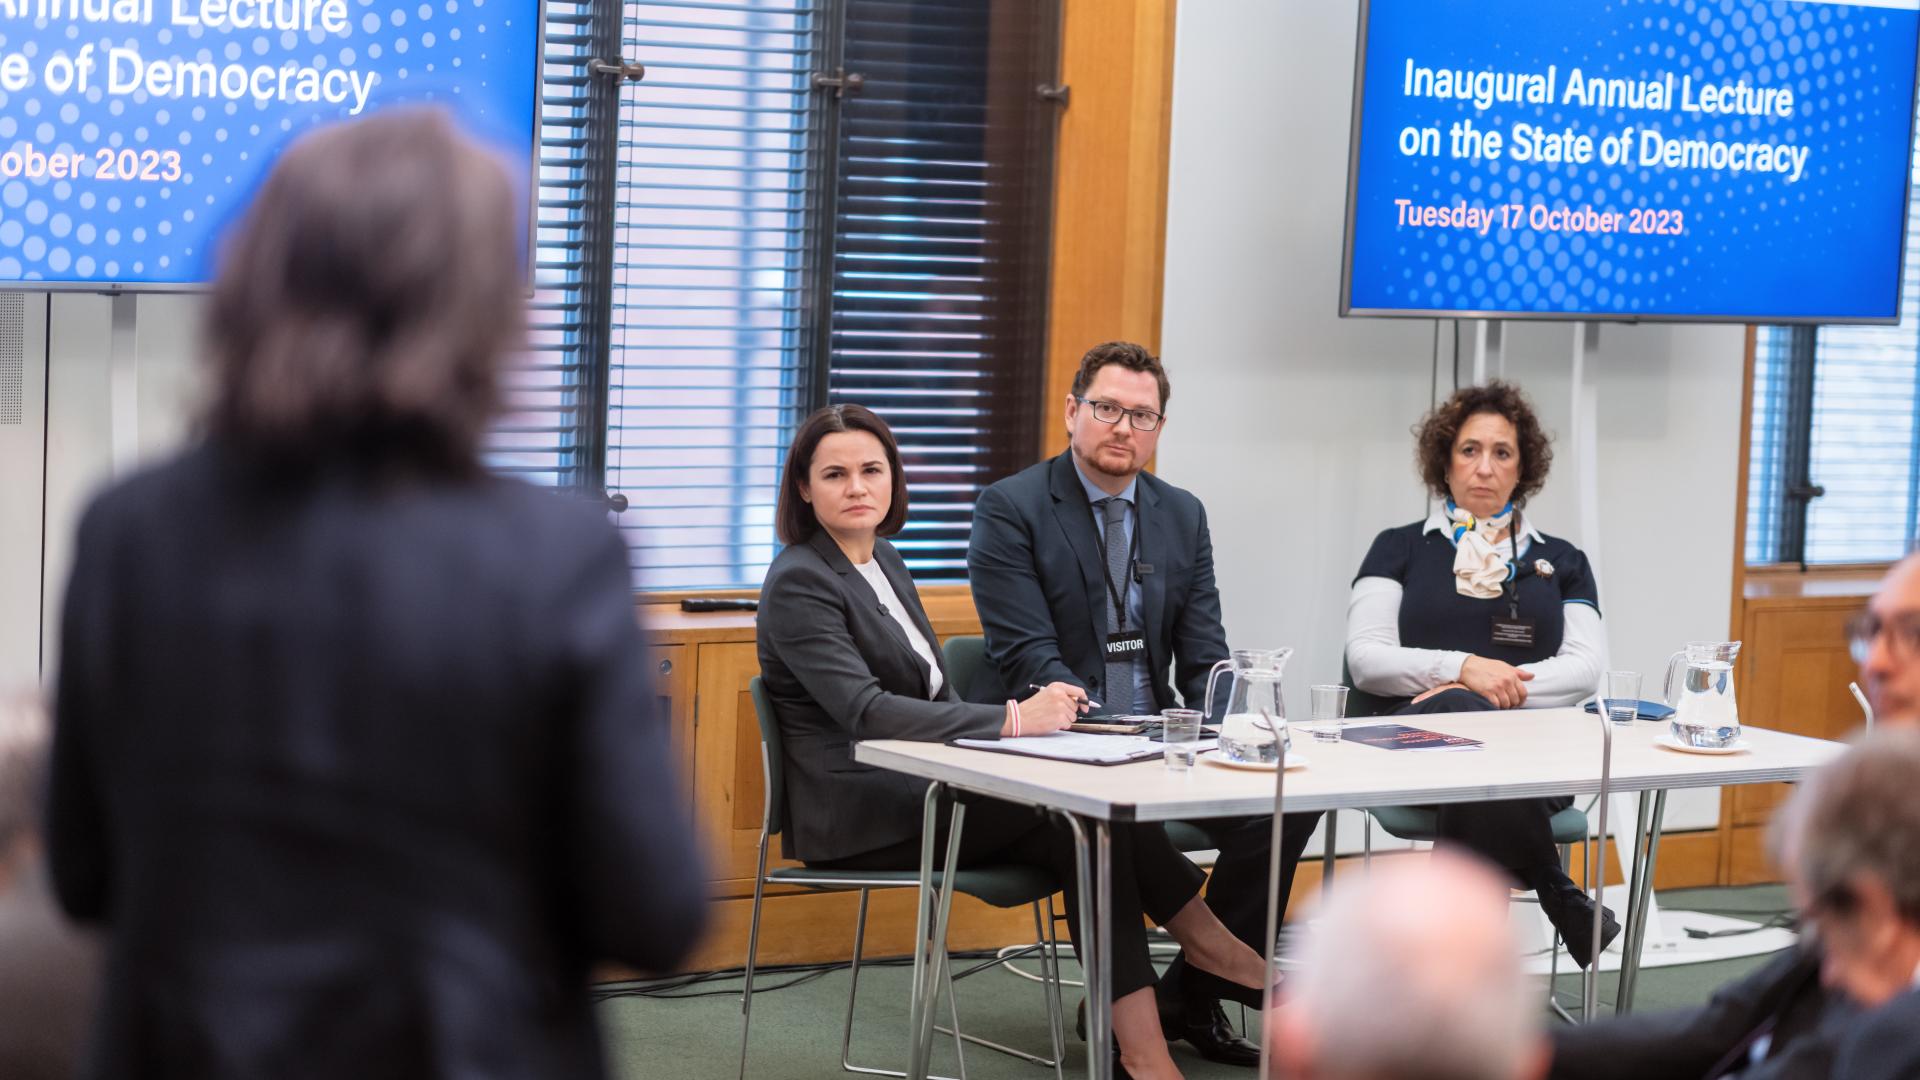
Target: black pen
[1081, 700]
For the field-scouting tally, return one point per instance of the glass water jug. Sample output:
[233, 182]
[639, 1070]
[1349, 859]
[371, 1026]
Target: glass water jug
[1704, 712]
[1254, 729]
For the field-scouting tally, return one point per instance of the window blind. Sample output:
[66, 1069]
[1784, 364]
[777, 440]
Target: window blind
[707, 367]
[944, 166]
[1864, 442]
[550, 418]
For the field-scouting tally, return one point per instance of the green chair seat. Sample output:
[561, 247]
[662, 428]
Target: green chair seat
[1422, 823]
[1006, 886]
[1188, 837]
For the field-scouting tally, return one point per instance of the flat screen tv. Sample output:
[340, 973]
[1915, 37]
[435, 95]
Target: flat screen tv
[133, 131]
[1682, 160]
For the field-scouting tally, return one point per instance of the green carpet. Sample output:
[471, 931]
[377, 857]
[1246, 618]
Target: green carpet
[796, 1031]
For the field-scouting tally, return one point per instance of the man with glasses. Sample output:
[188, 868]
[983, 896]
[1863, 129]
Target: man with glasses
[1088, 570]
[1886, 645]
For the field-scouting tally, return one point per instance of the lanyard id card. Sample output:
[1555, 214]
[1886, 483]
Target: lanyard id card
[1513, 631]
[1126, 645]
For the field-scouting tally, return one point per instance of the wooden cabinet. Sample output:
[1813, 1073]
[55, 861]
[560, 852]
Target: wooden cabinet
[672, 671]
[1793, 673]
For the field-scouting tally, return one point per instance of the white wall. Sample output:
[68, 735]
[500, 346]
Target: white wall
[1292, 423]
[20, 484]
[73, 333]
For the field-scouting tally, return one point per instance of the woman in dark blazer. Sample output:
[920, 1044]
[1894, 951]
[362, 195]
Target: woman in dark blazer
[847, 653]
[356, 755]
[1474, 609]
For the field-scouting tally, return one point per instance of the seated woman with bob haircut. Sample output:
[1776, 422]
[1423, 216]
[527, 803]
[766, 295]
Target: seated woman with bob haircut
[1474, 609]
[847, 653]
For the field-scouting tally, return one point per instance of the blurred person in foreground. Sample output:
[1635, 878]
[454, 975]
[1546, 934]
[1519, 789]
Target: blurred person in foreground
[48, 969]
[1850, 841]
[1412, 973]
[1780, 1022]
[355, 754]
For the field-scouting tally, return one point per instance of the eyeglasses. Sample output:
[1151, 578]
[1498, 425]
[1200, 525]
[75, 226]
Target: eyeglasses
[1902, 630]
[1109, 412]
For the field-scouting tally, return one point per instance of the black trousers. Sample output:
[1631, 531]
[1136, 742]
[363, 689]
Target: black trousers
[1151, 877]
[1237, 889]
[1515, 834]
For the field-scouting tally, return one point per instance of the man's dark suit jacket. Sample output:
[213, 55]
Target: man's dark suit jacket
[838, 669]
[1784, 996]
[361, 777]
[1884, 1044]
[1035, 566]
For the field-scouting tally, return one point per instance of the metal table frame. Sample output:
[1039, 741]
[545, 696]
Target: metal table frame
[1090, 821]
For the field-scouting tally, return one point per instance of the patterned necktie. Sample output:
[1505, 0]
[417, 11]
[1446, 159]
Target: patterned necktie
[1120, 673]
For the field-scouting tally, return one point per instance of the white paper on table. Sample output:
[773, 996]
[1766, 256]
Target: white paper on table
[1073, 746]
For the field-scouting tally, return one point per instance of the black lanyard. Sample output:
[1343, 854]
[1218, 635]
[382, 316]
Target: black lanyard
[1513, 575]
[1133, 560]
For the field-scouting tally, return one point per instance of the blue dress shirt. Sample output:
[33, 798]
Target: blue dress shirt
[1142, 674]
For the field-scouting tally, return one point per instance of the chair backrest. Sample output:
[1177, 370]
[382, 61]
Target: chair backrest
[966, 658]
[773, 762]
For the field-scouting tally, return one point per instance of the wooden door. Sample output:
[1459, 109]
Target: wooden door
[1793, 675]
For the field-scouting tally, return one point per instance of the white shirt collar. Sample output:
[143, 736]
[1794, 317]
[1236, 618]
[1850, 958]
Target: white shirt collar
[1440, 523]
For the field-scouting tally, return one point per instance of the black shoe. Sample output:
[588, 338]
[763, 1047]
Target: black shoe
[1206, 986]
[1203, 1023]
[1571, 912]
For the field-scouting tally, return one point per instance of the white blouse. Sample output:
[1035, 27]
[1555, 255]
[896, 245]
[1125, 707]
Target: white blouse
[890, 600]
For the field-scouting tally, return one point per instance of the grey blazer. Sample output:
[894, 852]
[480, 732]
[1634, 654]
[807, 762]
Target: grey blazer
[838, 669]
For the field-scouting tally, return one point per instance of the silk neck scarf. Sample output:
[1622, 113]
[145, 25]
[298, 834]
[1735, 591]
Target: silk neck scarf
[1480, 567]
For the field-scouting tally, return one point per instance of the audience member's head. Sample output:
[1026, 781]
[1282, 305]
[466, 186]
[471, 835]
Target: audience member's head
[1849, 840]
[1412, 973]
[23, 756]
[1886, 644]
[363, 308]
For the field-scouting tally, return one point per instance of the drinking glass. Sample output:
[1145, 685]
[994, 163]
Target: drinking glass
[1621, 697]
[1180, 731]
[1329, 712]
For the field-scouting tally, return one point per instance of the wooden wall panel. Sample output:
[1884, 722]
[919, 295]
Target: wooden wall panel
[1110, 187]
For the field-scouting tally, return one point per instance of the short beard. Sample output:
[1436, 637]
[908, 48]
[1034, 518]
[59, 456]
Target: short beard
[1092, 464]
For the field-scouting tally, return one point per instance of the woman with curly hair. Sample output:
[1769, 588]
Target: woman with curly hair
[1476, 609]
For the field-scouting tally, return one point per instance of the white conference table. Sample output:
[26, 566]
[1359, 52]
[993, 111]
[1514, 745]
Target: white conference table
[1528, 753]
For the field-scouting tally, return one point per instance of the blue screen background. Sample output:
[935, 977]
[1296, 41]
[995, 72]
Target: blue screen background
[1756, 245]
[478, 58]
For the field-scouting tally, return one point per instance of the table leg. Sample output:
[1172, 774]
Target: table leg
[1100, 988]
[1590, 978]
[1633, 899]
[1642, 902]
[1332, 822]
[1271, 953]
[1099, 1046]
[936, 951]
[929, 827]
